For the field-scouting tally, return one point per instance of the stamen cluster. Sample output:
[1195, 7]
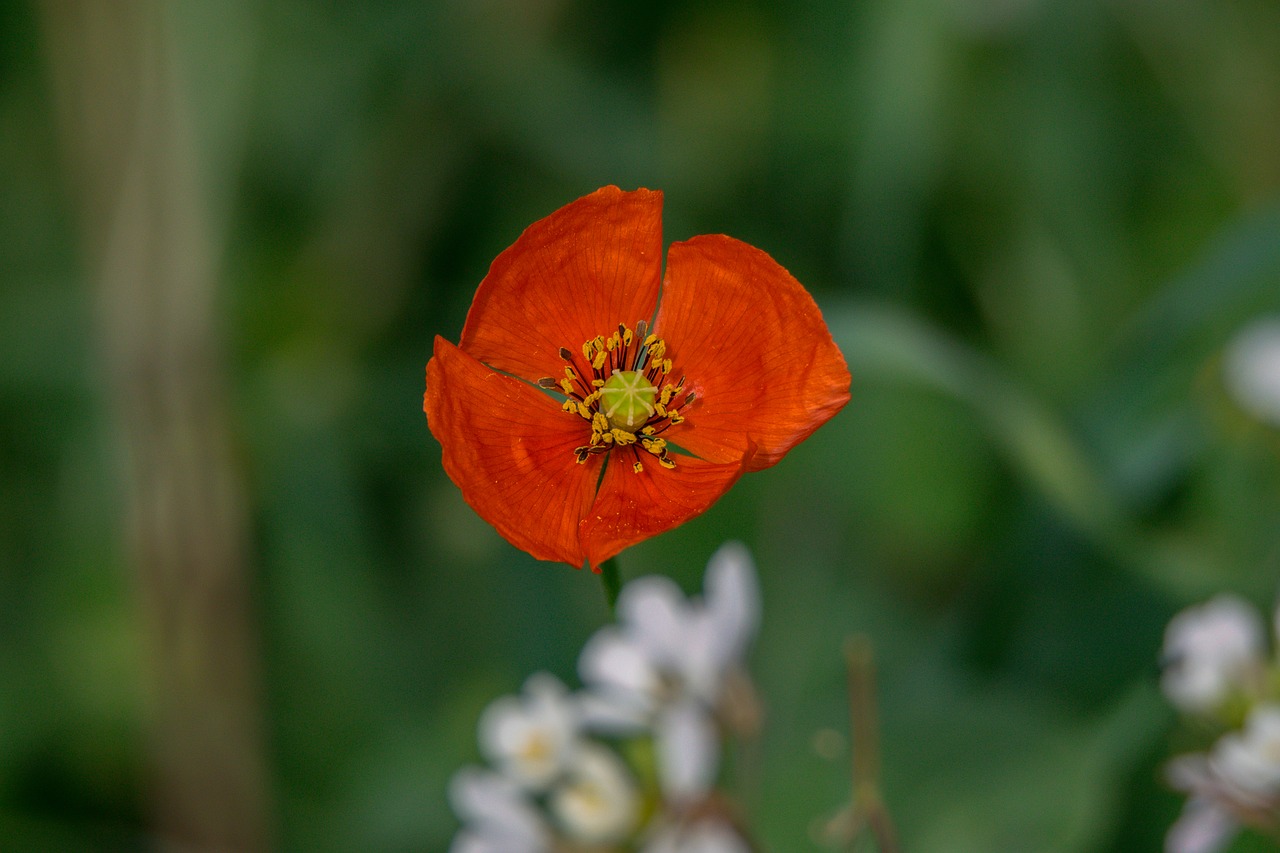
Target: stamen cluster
[634, 366]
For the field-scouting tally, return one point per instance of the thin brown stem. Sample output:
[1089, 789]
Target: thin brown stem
[868, 810]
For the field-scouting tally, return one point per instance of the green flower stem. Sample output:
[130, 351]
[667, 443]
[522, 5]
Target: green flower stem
[612, 582]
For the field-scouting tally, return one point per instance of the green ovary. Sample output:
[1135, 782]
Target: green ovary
[627, 399]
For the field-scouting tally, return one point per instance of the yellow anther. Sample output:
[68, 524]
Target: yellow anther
[637, 467]
[622, 438]
[627, 337]
[607, 438]
[586, 350]
[648, 430]
[666, 366]
[660, 409]
[598, 361]
[566, 386]
[570, 406]
[654, 445]
[599, 423]
[570, 373]
[611, 343]
[591, 398]
[675, 417]
[597, 383]
[649, 340]
[584, 411]
[665, 462]
[658, 350]
[667, 393]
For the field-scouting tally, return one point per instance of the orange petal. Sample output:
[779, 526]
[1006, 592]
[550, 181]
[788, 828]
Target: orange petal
[631, 507]
[509, 448]
[755, 349]
[589, 266]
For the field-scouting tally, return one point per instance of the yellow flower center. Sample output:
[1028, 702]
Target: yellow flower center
[620, 387]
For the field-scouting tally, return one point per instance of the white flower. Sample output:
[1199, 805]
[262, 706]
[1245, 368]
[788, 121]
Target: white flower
[707, 835]
[499, 819]
[531, 738]
[1203, 827]
[666, 645]
[1252, 369]
[596, 802]
[1210, 650]
[1250, 760]
[665, 666]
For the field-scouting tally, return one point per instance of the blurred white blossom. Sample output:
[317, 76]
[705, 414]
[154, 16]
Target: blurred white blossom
[1218, 668]
[499, 819]
[532, 737]
[670, 674]
[665, 666]
[1211, 650]
[597, 801]
[1252, 369]
[1250, 759]
[1203, 827]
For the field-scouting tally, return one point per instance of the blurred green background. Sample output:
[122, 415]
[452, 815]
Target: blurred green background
[242, 606]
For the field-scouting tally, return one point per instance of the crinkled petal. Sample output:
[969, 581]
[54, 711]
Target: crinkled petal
[576, 274]
[631, 507]
[755, 349]
[688, 747]
[509, 448]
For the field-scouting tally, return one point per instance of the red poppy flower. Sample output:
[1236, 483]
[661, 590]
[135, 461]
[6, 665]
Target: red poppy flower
[563, 370]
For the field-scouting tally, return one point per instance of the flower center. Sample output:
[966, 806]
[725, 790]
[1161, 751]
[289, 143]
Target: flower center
[627, 399]
[620, 387]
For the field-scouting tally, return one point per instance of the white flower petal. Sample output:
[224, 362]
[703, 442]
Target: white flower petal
[733, 598]
[597, 802]
[613, 713]
[532, 736]
[1252, 369]
[614, 662]
[653, 611]
[688, 747]
[1250, 760]
[702, 666]
[468, 841]
[1203, 827]
[495, 805]
[1209, 651]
